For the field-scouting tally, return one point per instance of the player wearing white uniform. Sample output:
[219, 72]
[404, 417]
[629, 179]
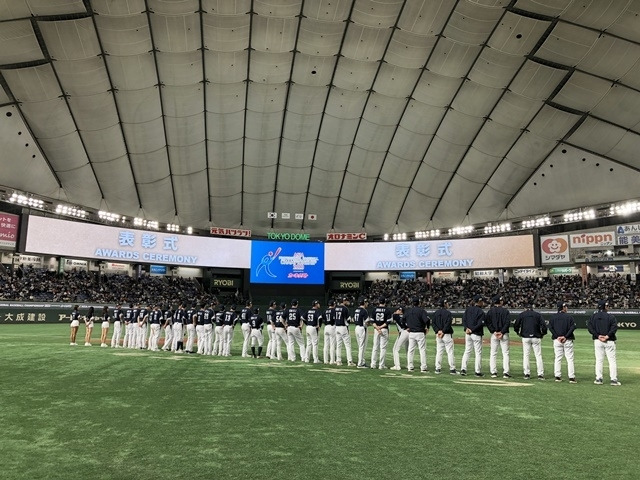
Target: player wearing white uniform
[381, 318]
[443, 328]
[473, 325]
[118, 316]
[245, 328]
[143, 320]
[230, 318]
[294, 316]
[313, 322]
[129, 331]
[256, 337]
[200, 330]
[361, 320]
[167, 328]
[403, 337]
[280, 325]
[218, 336]
[209, 315]
[156, 319]
[342, 318]
[88, 323]
[191, 328]
[179, 318]
[498, 323]
[329, 351]
[562, 325]
[271, 329]
[531, 327]
[603, 327]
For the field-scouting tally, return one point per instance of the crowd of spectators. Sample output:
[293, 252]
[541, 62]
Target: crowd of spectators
[92, 287]
[35, 285]
[517, 292]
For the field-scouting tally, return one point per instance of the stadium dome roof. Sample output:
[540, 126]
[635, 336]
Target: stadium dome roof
[360, 114]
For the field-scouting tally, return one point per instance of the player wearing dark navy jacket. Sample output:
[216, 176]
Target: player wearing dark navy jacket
[380, 318]
[329, 351]
[313, 322]
[562, 327]
[294, 316]
[443, 328]
[603, 327]
[361, 320]
[244, 317]
[531, 327]
[473, 325]
[255, 324]
[498, 323]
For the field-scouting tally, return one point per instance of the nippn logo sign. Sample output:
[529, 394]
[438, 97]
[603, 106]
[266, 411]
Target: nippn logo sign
[591, 239]
[554, 249]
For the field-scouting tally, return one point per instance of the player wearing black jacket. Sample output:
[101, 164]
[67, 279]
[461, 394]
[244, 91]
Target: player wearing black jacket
[418, 324]
[443, 328]
[603, 327]
[294, 317]
[313, 322]
[473, 323]
[531, 327]
[329, 351]
[498, 323]
[380, 318]
[245, 328]
[562, 325]
[255, 324]
[342, 318]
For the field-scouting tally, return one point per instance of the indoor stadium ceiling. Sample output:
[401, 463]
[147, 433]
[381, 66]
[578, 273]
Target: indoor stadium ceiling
[380, 116]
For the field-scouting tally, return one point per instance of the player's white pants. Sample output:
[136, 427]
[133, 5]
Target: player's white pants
[154, 336]
[563, 349]
[281, 337]
[419, 339]
[503, 343]
[133, 340]
[227, 335]
[607, 348]
[527, 345]
[200, 338]
[168, 338]
[379, 352]
[191, 337]
[403, 338]
[177, 336]
[208, 338]
[312, 343]
[329, 351]
[361, 339]
[218, 341]
[294, 335]
[472, 342]
[115, 338]
[255, 336]
[142, 336]
[445, 344]
[343, 337]
[128, 335]
[271, 331]
[246, 332]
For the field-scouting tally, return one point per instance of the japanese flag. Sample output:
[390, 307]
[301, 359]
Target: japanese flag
[312, 216]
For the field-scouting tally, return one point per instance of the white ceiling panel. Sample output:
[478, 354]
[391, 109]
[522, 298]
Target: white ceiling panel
[33, 84]
[176, 33]
[226, 127]
[123, 36]
[118, 8]
[517, 34]
[18, 43]
[269, 67]
[225, 154]
[133, 72]
[70, 39]
[226, 7]
[228, 33]
[274, 34]
[515, 110]
[139, 106]
[472, 23]
[226, 67]
[49, 119]
[452, 59]
[104, 145]
[319, 37]
[150, 167]
[365, 44]
[13, 9]
[426, 18]
[179, 68]
[494, 68]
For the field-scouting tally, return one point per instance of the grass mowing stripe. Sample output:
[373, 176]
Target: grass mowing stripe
[76, 412]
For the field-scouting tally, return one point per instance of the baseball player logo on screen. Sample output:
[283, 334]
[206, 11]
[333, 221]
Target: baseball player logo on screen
[289, 262]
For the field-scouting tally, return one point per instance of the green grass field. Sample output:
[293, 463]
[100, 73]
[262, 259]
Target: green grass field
[85, 413]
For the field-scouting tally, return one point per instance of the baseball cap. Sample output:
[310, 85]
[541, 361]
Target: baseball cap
[283, 305]
[294, 302]
[497, 299]
[415, 300]
[331, 302]
[314, 303]
[442, 302]
[248, 303]
[603, 303]
[382, 300]
[478, 298]
[256, 310]
[561, 305]
[272, 303]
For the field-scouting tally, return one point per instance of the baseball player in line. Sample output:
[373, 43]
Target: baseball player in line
[603, 327]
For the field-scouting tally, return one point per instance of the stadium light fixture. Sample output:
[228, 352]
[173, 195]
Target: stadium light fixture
[625, 208]
[499, 228]
[71, 211]
[461, 230]
[189, 230]
[172, 227]
[422, 235]
[108, 216]
[26, 200]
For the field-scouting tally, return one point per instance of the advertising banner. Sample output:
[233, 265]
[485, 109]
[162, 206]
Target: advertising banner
[287, 262]
[591, 239]
[628, 234]
[8, 230]
[158, 270]
[82, 240]
[441, 254]
[554, 249]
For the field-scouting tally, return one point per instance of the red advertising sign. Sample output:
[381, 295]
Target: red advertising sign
[8, 230]
[347, 236]
[230, 232]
